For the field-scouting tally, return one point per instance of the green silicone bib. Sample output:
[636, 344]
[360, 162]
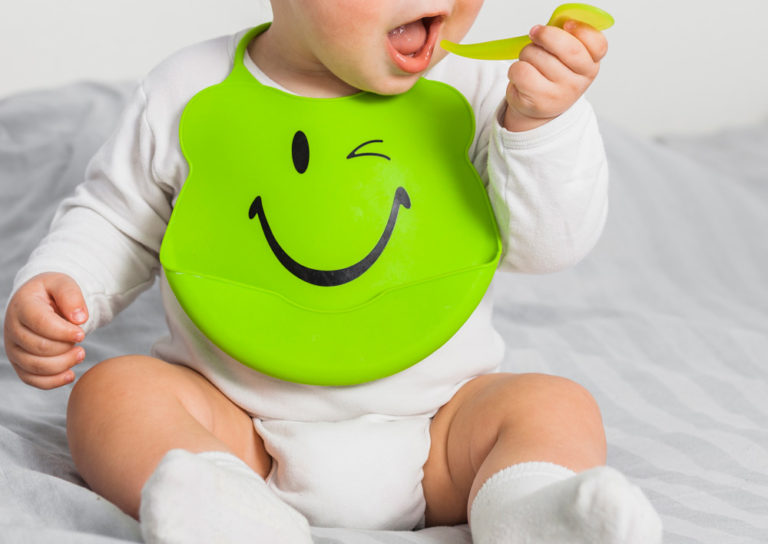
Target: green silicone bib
[328, 241]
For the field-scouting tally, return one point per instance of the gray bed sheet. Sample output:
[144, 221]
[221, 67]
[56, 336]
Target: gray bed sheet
[666, 322]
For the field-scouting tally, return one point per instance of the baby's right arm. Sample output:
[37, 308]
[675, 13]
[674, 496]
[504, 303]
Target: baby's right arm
[101, 252]
[41, 330]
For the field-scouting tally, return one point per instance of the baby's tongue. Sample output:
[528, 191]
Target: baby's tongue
[408, 39]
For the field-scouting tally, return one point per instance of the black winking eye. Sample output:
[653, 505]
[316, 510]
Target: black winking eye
[355, 153]
[300, 152]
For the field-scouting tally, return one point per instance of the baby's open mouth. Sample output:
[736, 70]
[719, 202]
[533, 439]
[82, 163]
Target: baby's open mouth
[411, 45]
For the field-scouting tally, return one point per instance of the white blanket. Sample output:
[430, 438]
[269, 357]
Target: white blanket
[666, 323]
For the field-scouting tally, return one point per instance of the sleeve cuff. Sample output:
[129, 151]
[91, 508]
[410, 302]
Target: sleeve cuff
[547, 132]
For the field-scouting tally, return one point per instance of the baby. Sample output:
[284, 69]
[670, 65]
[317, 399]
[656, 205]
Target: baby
[202, 448]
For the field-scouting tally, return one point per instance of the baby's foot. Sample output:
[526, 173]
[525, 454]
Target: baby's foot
[599, 506]
[214, 497]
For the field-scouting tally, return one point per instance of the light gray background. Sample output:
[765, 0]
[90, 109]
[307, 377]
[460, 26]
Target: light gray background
[681, 66]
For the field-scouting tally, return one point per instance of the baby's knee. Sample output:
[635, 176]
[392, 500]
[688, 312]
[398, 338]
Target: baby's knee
[559, 393]
[535, 387]
[109, 370]
[551, 400]
[109, 381]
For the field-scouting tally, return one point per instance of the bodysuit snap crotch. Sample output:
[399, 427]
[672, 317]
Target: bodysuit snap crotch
[363, 473]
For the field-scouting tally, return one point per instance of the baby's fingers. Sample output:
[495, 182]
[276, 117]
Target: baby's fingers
[45, 372]
[46, 382]
[567, 47]
[593, 40]
[39, 345]
[38, 317]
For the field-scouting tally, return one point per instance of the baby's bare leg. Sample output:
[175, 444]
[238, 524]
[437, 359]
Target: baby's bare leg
[499, 420]
[523, 446]
[126, 413]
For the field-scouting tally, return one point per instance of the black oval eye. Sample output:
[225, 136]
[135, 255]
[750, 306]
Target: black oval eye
[300, 152]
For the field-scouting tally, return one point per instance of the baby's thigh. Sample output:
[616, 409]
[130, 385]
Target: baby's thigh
[125, 413]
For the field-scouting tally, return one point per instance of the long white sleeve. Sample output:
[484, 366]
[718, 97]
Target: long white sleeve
[549, 191]
[107, 235]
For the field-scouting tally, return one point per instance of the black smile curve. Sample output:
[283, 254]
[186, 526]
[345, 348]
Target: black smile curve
[328, 278]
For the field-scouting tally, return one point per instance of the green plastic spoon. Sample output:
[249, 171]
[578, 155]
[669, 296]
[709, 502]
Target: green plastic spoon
[509, 49]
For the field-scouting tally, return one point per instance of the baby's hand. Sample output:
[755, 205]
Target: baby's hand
[552, 73]
[41, 329]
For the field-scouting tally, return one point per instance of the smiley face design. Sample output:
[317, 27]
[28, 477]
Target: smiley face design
[328, 241]
[327, 277]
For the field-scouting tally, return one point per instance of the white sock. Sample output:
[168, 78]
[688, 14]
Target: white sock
[214, 497]
[544, 503]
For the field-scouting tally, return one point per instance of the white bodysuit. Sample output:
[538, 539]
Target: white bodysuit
[344, 456]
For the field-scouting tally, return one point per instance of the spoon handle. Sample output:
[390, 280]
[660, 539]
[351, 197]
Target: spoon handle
[506, 49]
[510, 48]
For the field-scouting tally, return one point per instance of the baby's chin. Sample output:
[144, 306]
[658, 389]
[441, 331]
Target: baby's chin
[391, 83]
[394, 85]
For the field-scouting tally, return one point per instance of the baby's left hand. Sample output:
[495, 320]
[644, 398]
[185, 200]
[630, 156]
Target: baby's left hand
[552, 73]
